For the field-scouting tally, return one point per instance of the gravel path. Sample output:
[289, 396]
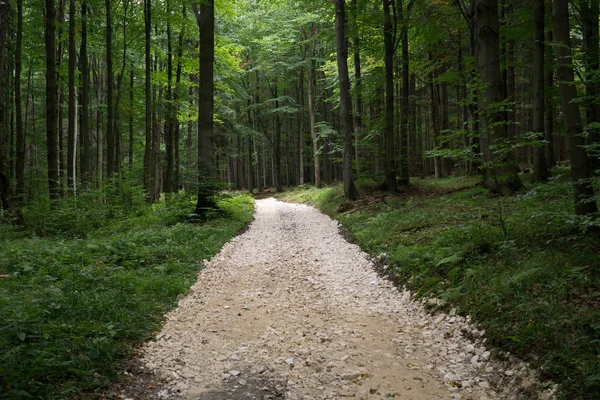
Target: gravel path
[290, 309]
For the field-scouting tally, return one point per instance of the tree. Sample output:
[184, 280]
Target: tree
[86, 154]
[501, 173]
[51, 100]
[345, 103]
[205, 17]
[581, 170]
[390, 173]
[20, 132]
[72, 116]
[540, 169]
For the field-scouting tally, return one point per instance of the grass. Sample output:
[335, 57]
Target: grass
[77, 298]
[535, 289]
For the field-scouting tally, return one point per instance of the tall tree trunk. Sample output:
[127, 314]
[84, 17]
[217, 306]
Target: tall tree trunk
[131, 137]
[589, 19]
[277, 146]
[549, 154]
[404, 131]
[540, 170]
[345, 103]
[120, 76]
[501, 171]
[358, 104]
[205, 16]
[20, 173]
[390, 173]
[148, 97]
[301, 129]
[169, 145]
[4, 159]
[581, 170]
[311, 93]
[72, 106]
[110, 133]
[51, 101]
[86, 156]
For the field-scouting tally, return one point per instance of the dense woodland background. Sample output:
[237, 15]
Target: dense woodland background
[466, 134]
[436, 88]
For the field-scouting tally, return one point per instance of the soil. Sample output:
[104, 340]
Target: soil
[291, 310]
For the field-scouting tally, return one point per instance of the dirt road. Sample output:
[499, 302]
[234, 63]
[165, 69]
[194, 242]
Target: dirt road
[291, 310]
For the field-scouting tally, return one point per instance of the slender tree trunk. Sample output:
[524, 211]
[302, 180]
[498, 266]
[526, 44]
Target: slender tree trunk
[131, 137]
[4, 159]
[311, 93]
[404, 131]
[110, 135]
[358, 104]
[581, 170]
[72, 106]
[169, 134]
[390, 173]
[345, 103]
[148, 92]
[51, 101]
[589, 20]
[86, 156]
[205, 16]
[20, 173]
[540, 170]
[502, 173]
[549, 106]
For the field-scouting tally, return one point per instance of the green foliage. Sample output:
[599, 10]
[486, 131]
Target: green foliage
[534, 289]
[72, 308]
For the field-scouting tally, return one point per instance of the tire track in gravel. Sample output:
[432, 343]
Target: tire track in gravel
[290, 309]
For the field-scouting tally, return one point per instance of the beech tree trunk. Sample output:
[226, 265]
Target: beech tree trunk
[205, 17]
[148, 92]
[501, 172]
[110, 136]
[20, 132]
[540, 170]
[390, 173]
[51, 101]
[345, 103]
[86, 156]
[311, 92]
[72, 119]
[581, 170]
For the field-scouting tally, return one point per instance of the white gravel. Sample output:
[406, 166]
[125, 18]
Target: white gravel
[290, 309]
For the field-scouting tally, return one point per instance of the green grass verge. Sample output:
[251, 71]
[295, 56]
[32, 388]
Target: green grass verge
[72, 307]
[535, 289]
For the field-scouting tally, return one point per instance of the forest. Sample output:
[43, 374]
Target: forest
[133, 129]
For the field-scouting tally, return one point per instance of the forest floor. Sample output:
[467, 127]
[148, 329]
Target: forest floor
[290, 309]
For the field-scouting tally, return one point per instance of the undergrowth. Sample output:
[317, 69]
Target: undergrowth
[85, 280]
[535, 289]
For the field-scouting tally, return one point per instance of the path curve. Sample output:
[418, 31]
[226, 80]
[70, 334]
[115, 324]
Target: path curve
[290, 309]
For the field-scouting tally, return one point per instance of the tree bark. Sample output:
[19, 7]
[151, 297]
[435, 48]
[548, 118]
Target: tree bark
[20, 173]
[4, 159]
[549, 154]
[205, 17]
[311, 93]
[345, 103]
[148, 97]
[390, 173]
[51, 101]
[72, 119]
[404, 131]
[86, 156]
[501, 171]
[581, 170]
[110, 135]
[589, 20]
[540, 170]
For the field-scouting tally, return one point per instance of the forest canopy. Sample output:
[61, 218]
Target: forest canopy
[304, 92]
